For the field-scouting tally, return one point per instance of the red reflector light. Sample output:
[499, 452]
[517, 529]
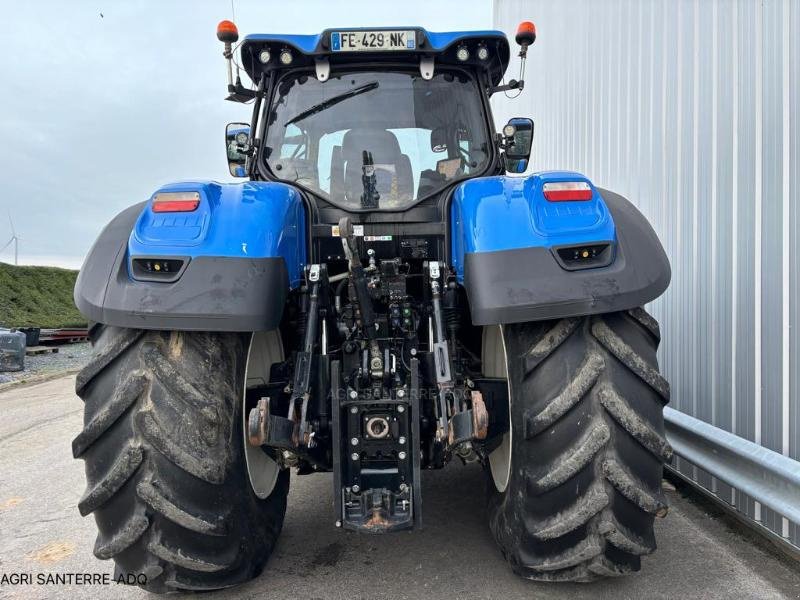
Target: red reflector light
[567, 191]
[176, 202]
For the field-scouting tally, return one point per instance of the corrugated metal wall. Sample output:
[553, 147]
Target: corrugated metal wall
[691, 109]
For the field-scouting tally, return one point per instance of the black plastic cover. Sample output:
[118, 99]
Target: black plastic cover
[212, 293]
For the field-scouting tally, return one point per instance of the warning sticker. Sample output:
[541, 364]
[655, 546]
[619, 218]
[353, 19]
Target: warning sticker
[358, 230]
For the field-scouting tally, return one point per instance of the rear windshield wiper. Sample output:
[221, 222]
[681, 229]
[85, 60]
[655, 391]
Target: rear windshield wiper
[331, 101]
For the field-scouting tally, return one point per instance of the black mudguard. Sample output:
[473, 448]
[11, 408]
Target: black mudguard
[212, 294]
[528, 284]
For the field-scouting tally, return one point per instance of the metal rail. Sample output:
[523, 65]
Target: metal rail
[766, 476]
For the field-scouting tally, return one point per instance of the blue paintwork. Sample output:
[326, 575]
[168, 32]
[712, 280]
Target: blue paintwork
[442, 40]
[307, 44]
[252, 219]
[505, 213]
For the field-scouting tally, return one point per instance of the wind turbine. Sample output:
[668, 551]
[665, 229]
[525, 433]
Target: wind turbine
[13, 239]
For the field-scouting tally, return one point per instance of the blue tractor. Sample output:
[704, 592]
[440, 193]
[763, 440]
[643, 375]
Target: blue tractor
[378, 297]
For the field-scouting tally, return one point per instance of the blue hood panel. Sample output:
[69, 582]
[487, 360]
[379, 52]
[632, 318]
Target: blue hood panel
[507, 213]
[252, 219]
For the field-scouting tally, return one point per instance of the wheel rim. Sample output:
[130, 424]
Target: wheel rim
[265, 349]
[495, 364]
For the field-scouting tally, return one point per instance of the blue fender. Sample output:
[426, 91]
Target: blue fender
[522, 258]
[228, 265]
[252, 219]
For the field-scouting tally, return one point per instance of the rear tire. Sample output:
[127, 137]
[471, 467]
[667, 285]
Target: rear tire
[587, 446]
[165, 468]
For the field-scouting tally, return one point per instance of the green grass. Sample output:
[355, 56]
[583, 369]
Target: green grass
[38, 297]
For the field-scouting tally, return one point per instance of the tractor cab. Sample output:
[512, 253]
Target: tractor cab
[375, 120]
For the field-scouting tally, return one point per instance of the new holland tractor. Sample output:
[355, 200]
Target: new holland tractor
[384, 293]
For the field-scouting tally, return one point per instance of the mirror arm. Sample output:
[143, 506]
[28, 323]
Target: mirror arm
[499, 141]
[511, 85]
[249, 166]
[239, 93]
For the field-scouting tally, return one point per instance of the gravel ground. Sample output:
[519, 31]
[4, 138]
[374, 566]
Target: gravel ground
[70, 357]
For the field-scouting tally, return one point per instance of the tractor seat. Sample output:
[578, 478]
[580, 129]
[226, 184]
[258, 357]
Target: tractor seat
[394, 179]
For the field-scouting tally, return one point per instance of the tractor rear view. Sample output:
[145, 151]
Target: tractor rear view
[380, 296]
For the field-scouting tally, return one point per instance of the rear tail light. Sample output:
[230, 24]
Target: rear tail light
[567, 191]
[176, 202]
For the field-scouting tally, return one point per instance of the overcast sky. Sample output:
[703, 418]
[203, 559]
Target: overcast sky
[96, 112]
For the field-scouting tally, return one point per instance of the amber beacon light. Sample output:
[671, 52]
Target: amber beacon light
[526, 35]
[228, 34]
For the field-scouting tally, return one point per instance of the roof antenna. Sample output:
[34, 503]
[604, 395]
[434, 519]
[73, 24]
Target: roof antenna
[233, 19]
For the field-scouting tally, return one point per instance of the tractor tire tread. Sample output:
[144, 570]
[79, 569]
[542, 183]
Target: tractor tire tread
[164, 455]
[585, 481]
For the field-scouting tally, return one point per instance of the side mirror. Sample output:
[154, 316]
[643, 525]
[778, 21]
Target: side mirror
[518, 139]
[237, 147]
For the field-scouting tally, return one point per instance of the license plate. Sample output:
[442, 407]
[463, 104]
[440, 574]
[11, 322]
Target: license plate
[373, 41]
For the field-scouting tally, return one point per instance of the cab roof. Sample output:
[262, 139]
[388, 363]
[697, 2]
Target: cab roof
[441, 46]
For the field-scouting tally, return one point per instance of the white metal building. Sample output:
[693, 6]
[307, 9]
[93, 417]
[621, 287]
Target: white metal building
[690, 108]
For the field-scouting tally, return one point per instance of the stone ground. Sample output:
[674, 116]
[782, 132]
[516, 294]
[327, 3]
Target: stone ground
[69, 358]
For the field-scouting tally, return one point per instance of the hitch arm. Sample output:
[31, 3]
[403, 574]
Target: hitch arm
[441, 353]
[301, 388]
